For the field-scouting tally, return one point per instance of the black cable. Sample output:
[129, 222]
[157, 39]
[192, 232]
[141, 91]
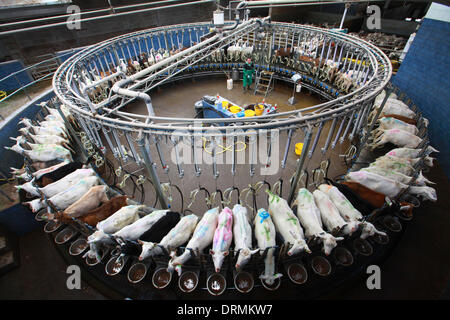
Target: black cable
[181, 195]
[208, 195]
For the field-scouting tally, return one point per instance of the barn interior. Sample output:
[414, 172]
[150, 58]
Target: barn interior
[331, 111]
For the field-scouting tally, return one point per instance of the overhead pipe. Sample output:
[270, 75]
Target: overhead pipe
[121, 70]
[102, 17]
[118, 86]
[347, 5]
[84, 13]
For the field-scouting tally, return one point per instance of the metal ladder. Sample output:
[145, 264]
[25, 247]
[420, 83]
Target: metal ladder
[264, 83]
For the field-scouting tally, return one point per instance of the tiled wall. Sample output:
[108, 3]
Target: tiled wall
[425, 77]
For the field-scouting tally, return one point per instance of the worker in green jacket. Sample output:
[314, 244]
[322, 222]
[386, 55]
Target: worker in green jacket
[249, 69]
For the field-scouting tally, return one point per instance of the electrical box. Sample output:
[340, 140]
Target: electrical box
[219, 19]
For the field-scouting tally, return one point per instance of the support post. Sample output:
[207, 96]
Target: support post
[301, 161]
[152, 172]
[347, 5]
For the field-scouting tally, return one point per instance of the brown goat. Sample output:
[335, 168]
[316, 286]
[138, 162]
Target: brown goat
[104, 211]
[374, 198]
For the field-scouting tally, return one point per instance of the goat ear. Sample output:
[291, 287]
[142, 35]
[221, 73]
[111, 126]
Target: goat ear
[254, 251]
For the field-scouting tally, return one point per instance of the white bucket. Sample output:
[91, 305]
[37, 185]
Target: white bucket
[230, 84]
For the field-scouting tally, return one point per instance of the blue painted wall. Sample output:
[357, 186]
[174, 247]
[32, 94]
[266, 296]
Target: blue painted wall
[66, 54]
[10, 84]
[424, 77]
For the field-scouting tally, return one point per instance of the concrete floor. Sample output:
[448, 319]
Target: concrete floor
[41, 274]
[418, 268]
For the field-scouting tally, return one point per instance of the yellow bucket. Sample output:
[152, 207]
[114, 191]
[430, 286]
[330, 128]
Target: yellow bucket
[234, 109]
[249, 113]
[259, 109]
[298, 148]
[224, 104]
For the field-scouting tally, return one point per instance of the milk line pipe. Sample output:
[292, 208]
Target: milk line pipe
[139, 40]
[160, 155]
[355, 126]
[350, 62]
[300, 165]
[233, 159]
[214, 163]
[341, 139]
[335, 51]
[340, 56]
[85, 88]
[356, 63]
[145, 39]
[117, 87]
[366, 110]
[112, 57]
[143, 96]
[286, 40]
[321, 55]
[345, 60]
[328, 51]
[316, 139]
[330, 134]
[286, 149]
[251, 151]
[166, 42]
[359, 68]
[119, 145]
[363, 74]
[341, 126]
[177, 157]
[136, 157]
[101, 63]
[98, 140]
[150, 166]
[110, 144]
[133, 40]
